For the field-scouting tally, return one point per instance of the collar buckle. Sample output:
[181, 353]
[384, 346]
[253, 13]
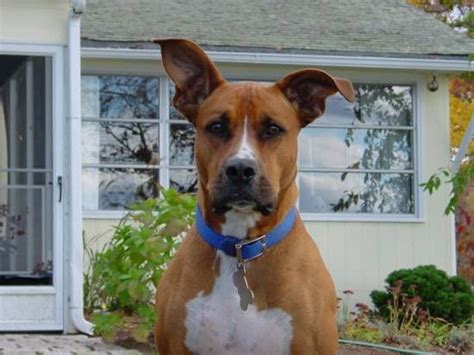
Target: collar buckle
[238, 248]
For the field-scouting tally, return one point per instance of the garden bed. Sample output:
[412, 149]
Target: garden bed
[345, 349]
[127, 341]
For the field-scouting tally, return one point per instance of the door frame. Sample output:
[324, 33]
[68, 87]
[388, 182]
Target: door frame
[58, 289]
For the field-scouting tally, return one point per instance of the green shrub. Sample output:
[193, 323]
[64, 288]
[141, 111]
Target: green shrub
[122, 278]
[449, 298]
[402, 329]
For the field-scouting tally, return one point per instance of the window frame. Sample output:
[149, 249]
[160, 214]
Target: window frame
[417, 216]
[118, 214]
[365, 77]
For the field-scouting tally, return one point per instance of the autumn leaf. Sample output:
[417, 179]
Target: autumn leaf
[460, 113]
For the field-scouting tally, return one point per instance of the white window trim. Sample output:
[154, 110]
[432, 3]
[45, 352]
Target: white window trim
[417, 217]
[103, 214]
[163, 121]
[163, 128]
[164, 133]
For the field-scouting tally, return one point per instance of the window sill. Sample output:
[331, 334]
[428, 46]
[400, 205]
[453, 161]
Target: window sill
[356, 217]
[104, 214]
[307, 217]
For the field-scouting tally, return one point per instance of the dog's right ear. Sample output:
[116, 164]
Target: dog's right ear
[192, 72]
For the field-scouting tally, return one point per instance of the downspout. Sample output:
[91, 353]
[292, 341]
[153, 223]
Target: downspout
[76, 303]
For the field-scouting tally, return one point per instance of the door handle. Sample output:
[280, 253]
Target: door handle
[60, 185]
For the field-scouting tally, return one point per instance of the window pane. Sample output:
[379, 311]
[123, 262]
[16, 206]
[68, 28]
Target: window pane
[184, 180]
[120, 97]
[376, 104]
[356, 193]
[174, 114]
[114, 143]
[24, 118]
[182, 144]
[115, 189]
[26, 237]
[355, 148]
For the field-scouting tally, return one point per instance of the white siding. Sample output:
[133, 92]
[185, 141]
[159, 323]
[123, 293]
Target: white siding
[34, 21]
[97, 232]
[359, 255]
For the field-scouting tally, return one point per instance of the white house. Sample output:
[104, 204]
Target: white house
[64, 173]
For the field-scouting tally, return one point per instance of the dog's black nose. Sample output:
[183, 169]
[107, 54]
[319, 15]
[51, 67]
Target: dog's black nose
[240, 170]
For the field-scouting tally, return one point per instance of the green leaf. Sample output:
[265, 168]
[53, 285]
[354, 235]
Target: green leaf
[141, 333]
[106, 324]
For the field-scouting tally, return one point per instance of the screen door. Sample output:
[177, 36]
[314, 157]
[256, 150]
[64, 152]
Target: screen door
[28, 288]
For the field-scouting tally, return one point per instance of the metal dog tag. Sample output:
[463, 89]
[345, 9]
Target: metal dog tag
[245, 293]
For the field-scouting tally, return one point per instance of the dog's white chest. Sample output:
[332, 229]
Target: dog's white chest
[215, 323]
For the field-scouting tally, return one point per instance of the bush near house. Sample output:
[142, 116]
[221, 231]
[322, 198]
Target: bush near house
[119, 288]
[422, 308]
[448, 298]
[403, 329]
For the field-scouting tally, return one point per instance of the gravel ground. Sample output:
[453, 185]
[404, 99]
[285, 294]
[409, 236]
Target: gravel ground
[39, 344]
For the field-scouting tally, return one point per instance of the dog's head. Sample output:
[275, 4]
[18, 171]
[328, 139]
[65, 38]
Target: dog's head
[246, 133]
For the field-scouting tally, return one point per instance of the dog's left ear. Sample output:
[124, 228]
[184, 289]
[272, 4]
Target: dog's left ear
[308, 89]
[193, 73]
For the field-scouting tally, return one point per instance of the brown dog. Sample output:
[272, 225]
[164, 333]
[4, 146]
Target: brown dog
[283, 301]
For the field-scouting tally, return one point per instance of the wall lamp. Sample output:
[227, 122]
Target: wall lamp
[433, 84]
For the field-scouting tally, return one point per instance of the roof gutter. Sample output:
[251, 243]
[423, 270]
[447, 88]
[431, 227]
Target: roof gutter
[435, 64]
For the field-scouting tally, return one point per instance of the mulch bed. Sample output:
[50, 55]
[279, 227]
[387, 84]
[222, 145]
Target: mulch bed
[345, 349]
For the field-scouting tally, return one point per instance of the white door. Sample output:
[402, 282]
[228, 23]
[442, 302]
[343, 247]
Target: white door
[31, 256]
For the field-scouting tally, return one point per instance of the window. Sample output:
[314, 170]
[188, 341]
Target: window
[120, 147]
[356, 159]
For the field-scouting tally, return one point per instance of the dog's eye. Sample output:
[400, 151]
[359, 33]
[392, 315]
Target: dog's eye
[272, 131]
[218, 129]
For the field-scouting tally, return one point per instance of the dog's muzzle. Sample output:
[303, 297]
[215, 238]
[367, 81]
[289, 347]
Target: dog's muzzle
[241, 186]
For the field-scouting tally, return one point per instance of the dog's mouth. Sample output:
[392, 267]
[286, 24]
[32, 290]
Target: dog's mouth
[244, 206]
[246, 199]
[238, 202]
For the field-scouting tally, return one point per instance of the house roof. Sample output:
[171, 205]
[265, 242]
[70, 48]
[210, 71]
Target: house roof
[369, 27]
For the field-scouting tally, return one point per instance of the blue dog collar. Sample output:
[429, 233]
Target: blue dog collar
[244, 249]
